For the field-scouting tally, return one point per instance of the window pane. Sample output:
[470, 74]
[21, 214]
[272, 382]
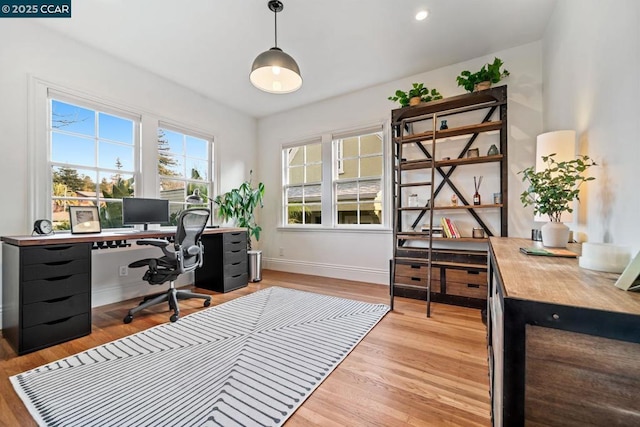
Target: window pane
[314, 173]
[111, 214]
[173, 141]
[370, 189]
[349, 169]
[172, 190]
[313, 214]
[294, 213]
[115, 128]
[312, 193]
[174, 212]
[72, 149]
[71, 182]
[350, 147]
[60, 217]
[371, 166]
[294, 195]
[169, 165]
[347, 213]
[295, 156]
[72, 118]
[115, 156]
[296, 175]
[314, 153]
[197, 147]
[347, 191]
[371, 144]
[116, 186]
[196, 168]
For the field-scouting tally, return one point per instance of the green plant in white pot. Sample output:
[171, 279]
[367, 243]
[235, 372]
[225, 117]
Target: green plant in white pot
[551, 192]
[239, 205]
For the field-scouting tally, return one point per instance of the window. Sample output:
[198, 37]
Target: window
[92, 160]
[184, 165]
[303, 184]
[358, 181]
[347, 189]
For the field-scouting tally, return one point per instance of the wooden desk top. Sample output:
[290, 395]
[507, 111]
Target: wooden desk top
[63, 238]
[557, 280]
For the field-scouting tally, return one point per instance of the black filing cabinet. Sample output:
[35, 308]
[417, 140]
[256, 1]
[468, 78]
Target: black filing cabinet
[46, 294]
[225, 262]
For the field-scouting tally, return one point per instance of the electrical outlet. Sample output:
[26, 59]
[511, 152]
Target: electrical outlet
[124, 270]
[281, 253]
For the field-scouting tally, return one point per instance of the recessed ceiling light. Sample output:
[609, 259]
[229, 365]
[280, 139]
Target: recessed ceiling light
[422, 15]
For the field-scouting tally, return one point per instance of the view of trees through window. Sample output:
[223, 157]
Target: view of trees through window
[93, 163]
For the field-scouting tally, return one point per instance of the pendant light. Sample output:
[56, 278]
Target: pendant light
[274, 71]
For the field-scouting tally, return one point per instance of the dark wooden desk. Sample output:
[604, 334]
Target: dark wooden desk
[46, 280]
[564, 342]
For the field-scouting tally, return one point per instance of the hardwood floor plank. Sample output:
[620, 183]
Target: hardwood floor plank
[408, 371]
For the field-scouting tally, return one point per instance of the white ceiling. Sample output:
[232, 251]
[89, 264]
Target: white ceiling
[340, 46]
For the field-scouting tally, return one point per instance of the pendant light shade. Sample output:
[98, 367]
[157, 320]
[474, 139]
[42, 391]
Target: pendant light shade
[274, 71]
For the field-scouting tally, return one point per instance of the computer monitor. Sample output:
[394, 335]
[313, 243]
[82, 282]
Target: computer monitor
[136, 210]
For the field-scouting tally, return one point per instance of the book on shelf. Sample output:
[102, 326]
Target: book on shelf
[435, 231]
[449, 228]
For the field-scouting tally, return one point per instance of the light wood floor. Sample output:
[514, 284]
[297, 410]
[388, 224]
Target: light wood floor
[409, 370]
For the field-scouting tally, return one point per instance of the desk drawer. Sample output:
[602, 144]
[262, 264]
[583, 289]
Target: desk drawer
[232, 270]
[470, 290]
[234, 246]
[235, 282]
[234, 237]
[54, 253]
[53, 310]
[56, 269]
[58, 287]
[51, 333]
[234, 257]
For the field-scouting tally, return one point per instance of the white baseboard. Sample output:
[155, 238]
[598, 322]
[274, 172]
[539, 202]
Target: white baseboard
[347, 272]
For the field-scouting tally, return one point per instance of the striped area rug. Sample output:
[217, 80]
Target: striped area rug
[251, 361]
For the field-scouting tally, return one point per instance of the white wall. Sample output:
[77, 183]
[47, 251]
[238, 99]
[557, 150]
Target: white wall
[365, 255]
[591, 57]
[31, 50]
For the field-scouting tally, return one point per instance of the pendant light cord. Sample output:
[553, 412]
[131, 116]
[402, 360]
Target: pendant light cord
[275, 20]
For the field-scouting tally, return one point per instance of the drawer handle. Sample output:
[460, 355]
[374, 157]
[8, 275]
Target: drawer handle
[235, 252]
[53, 279]
[53, 322]
[58, 263]
[473, 285]
[415, 279]
[473, 272]
[58, 248]
[237, 263]
[237, 275]
[53, 301]
[415, 266]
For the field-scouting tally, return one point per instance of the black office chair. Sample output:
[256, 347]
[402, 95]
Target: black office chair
[187, 255]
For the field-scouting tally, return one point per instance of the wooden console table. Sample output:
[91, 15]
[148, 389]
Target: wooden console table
[563, 341]
[46, 280]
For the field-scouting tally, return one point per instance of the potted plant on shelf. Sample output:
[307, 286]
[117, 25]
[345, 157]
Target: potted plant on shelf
[417, 94]
[238, 205]
[483, 79]
[551, 192]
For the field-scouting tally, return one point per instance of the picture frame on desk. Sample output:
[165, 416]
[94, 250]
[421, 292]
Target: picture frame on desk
[629, 280]
[84, 219]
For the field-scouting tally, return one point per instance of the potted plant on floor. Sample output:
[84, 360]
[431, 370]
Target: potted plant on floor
[239, 205]
[483, 79]
[551, 192]
[417, 94]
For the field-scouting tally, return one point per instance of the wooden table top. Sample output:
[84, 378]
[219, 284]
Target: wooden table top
[63, 238]
[557, 280]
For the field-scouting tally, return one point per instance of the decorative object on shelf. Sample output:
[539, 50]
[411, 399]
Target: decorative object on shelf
[443, 125]
[454, 200]
[413, 200]
[444, 159]
[497, 198]
[476, 195]
[551, 192]
[473, 152]
[478, 233]
[273, 70]
[481, 80]
[417, 94]
[42, 226]
[493, 150]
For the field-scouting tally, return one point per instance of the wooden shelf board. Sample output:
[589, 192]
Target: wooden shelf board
[416, 235]
[458, 207]
[416, 184]
[406, 260]
[427, 164]
[450, 133]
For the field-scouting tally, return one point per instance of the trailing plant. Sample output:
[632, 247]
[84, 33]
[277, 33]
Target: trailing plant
[552, 190]
[418, 90]
[488, 73]
[238, 204]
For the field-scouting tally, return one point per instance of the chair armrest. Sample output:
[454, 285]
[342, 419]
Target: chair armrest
[160, 243]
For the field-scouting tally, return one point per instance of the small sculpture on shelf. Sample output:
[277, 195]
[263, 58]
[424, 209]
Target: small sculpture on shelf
[443, 125]
[493, 150]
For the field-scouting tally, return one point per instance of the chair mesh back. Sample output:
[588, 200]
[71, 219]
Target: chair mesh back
[191, 224]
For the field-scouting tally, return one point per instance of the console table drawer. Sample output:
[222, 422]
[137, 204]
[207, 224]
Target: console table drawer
[471, 290]
[58, 287]
[54, 253]
[55, 332]
[417, 270]
[467, 276]
[55, 269]
[232, 270]
[52, 310]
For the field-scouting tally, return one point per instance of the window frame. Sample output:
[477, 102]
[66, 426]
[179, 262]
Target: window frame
[286, 186]
[331, 170]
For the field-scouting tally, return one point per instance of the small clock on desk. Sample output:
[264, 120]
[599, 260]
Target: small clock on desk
[42, 226]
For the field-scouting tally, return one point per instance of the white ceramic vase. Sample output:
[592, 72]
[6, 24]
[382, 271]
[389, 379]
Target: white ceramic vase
[555, 235]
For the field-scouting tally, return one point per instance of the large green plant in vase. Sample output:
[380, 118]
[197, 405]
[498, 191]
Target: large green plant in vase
[239, 205]
[552, 191]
